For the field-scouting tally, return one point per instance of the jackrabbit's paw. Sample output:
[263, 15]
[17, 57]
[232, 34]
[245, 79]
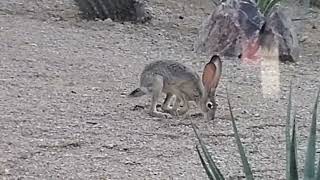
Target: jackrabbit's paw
[160, 114]
[182, 112]
[186, 116]
[172, 112]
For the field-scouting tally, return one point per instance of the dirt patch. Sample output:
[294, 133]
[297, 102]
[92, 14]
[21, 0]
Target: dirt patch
[64, 112]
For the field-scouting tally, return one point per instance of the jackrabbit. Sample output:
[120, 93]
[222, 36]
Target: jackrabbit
[181, 85]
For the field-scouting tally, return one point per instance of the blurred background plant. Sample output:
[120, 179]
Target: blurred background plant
[265, 6]
[117, 10]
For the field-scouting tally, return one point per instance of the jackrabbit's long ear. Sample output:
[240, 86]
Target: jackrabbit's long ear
[212, 73]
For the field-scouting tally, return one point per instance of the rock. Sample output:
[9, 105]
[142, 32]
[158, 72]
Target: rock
[218, 32]
[137, 108]
[314, 26]
[282, 26]
[110, 146]
[256, 115]
[222, 31]
[235, 21]
[303, 38]
[244, 112]
[108, 20]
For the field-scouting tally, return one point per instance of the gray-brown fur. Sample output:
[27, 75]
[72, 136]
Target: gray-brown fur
[173, 73]
[180, 84]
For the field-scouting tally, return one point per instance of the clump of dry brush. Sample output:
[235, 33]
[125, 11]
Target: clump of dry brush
[117, 10]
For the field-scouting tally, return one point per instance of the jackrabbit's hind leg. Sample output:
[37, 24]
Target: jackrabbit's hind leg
[157, 87]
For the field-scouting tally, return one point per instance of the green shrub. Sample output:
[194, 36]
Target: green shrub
[265, 6]
[311, 172]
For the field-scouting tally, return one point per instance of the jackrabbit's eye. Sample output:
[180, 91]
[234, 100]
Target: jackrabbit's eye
[210, 105]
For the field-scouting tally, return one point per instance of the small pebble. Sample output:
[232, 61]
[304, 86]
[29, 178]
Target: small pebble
[244, 112]
[34, 44]
[110, 146]
[137, 107]
[109, 20]
[303, 38]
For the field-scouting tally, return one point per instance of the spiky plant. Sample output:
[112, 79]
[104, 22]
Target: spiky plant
[309, 167]
[265, 6]
[207, 162]
[311, 172]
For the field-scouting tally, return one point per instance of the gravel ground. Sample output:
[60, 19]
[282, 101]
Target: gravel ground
[64, 113]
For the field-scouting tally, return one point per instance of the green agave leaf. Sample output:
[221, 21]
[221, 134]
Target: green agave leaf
[293, 153]
[259, 4]
[309, 167]
[269, 6]
[216, 172]
[288, 133]
[314, 115]
[246, 166]
[318, 171]
[204, 164]
[264, 6]
[216, 2]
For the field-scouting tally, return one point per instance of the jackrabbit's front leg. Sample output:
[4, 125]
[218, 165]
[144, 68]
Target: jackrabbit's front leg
[176, 103]
[168, 100]
[156, 92]
[182, 111]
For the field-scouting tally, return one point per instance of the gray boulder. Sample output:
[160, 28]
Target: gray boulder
[281, 25]
[236, 21]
